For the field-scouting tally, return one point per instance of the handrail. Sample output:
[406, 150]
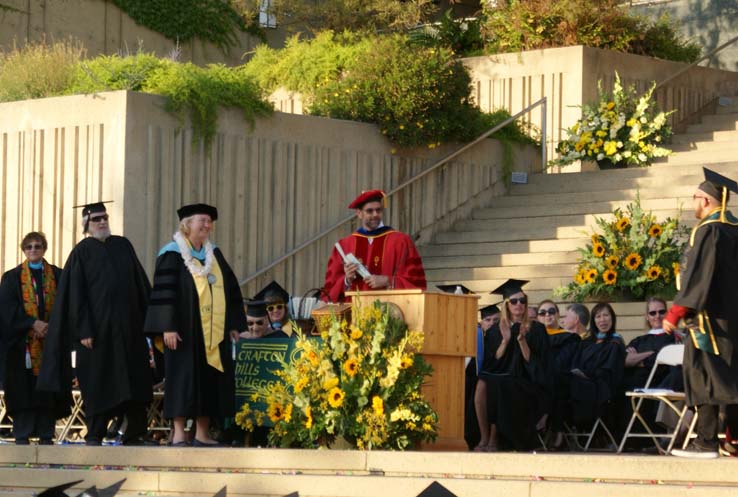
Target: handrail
[690, 66]
[422, 174]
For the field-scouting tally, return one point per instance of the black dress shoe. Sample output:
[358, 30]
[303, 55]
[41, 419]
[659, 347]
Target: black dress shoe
[46, 441]
[21, 441]
[93, 443]
[139, 441]
[183, 443]
[197, 443]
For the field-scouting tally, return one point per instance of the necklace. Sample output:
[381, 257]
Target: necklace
[195, 268]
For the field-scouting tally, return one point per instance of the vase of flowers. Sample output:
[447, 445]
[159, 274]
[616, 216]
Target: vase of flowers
[620, 130]
[360, 381]
[630, 256]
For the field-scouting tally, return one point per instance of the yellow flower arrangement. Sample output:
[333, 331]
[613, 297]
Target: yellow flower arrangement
[351, 382]
[626, 257]
[622, 129]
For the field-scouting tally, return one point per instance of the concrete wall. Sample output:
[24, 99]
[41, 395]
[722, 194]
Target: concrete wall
[276, 185]
[708, 22]
[104, 29]
[568, 77]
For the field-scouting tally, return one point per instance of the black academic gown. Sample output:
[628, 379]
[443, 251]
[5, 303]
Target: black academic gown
[516, 389]
[636, 377]
[103, 294]
[603, 364]
[709, 282]
[193, 387]
[562, 347]
[20, 382]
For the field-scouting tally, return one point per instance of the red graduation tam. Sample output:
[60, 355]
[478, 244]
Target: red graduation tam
[368, 196]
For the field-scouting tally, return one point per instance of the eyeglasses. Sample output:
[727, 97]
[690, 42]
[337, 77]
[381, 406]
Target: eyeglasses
[258, 322]
[521, 300]
[98, 219]
[660, 312]
[33, 246]
[275, 307]
[551, 311]
[378, 210]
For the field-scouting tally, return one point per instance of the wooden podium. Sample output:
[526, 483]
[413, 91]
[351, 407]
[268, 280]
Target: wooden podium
[448, 322]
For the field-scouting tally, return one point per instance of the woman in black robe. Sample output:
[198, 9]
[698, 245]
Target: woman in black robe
[597, 369]
[27, 294]
[196, 304]
[511, 395]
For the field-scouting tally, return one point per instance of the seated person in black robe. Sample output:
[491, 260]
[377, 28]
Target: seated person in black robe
[596, 373]
[198, 308]
[27, 294]
[511, 395]
[277, 305]
[562, 346]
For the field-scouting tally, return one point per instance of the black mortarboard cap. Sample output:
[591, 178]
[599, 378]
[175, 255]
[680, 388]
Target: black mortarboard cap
[58, 491]
[222, 492]
[452, 288]
[92, 208]
[714, 183]
[112, 490]
[489, 310]
[273, 292]
[435, 489]
[192, 209]
[510, 287]
[256, 308]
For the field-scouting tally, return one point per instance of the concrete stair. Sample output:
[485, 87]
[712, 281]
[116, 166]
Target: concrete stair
[338, 473]
[533, 232]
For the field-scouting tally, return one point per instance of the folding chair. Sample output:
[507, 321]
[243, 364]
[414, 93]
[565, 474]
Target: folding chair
[574, 435]
[671, 355]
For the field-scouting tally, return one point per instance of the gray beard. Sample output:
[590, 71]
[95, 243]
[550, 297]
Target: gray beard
[101, 235]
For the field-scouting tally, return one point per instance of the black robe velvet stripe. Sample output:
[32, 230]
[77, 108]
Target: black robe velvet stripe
[517, 391]
[20, 383]
[103, 294]
[193, 387]
[709, 282]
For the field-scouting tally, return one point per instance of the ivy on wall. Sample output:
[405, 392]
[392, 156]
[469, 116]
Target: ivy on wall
[210, 20]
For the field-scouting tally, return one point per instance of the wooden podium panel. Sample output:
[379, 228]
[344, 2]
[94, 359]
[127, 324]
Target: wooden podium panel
[449, 324]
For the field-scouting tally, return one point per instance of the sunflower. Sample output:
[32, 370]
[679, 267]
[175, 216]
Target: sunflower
[612, 261]
[632, 261]
[653, 272]
[610, 277]
[351, 367]
[335, 397]
[591, 276]
[580, 278]
[655, 230]
[308, 417]
[598, 249]
[275, 412]
[355, 333]
[595, 238]
[622, 223]
[406, 362]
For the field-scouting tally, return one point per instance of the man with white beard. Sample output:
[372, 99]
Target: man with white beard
[99, 313]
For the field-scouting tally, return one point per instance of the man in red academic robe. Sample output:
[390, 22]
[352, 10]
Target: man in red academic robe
[389, 256]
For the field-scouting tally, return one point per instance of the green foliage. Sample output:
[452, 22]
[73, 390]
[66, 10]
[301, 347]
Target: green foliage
[304, 65]
[417, 95]
[199, 92]
[38, 70]
[633, 254]
[104, 73]
[340, 15]
[516, 25]
[462, 36]
[211, 20]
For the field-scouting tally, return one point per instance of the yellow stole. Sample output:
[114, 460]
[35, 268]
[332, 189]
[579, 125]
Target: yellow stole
[212, 312]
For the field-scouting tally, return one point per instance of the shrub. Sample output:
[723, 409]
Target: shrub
[516, 25]
[463, 36]
[38, 70]
[107, 73]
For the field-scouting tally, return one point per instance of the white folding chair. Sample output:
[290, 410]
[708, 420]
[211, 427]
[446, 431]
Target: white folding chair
[572, 435]
[671, 355]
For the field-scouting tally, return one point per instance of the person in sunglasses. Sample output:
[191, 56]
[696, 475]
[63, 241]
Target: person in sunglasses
[258, 323]
[277, 300]
[197, 308]
[99, 313]
[27, 295]
[640, 355]
[511, 395]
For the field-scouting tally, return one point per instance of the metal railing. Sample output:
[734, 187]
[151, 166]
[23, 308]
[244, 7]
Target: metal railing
[542, 102]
